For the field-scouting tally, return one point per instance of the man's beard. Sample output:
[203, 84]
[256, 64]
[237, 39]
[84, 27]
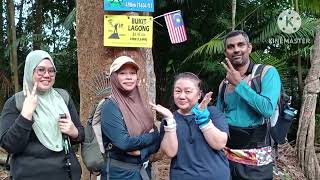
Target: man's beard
[240, 62]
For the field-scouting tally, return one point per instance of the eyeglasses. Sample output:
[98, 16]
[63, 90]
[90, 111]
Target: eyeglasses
[41, 71]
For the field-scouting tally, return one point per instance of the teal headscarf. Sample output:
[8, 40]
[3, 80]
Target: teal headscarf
[50, 105]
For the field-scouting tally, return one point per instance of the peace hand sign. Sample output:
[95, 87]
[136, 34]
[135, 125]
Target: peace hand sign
[204, 103]
[233, 76]
[30, 102]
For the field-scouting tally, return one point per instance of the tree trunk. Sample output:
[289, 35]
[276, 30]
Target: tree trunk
[37, 25]
[94, 58]
[300, 81]
[20, 19]
[306, 130]
[234, 10]
[54, 34]
[12, 39]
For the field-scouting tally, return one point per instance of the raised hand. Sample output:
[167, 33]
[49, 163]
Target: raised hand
[233, 76]
[204, 103]
[201, 111]
[30, 101]
[67, 127]
[162, 110]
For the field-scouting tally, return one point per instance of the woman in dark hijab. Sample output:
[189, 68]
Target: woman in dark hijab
[127, 126]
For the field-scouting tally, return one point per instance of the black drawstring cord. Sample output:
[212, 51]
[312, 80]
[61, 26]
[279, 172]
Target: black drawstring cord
[191, 140]
[66, 147]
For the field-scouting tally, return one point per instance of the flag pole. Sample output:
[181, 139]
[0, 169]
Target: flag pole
[158, 23]
[166, 14]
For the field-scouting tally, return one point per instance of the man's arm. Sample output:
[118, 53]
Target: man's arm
[265, 102]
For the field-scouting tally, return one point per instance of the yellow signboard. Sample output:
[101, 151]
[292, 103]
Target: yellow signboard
[128, 31]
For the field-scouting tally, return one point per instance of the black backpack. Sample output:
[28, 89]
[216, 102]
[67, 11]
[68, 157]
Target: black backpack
[281, 120]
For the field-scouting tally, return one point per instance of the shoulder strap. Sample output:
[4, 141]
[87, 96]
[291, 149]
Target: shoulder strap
[95, 121]
[94, 108]
[64, 94]
[97, 111]
[256, 79]
[222, 92]
[19, 98]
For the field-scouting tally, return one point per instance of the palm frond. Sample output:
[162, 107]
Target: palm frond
[213, 67]
[260, 57]
[307, 30]
[71, 18]
[310, 5]
[269, 31]
[281, 65]
[304, 52]
[214, 46]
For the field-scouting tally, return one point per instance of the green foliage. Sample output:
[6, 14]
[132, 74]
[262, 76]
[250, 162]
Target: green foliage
[214, 46]
[54, 38]
[281, 65]
[70, 20]
[312, 6]
[265, 58]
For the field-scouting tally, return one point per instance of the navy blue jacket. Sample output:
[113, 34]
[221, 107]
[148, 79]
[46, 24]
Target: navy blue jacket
[114, 130]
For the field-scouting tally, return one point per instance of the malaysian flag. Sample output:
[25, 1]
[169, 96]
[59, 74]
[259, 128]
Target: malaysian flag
[175, 26]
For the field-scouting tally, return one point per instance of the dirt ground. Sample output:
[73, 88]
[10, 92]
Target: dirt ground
[287, 165]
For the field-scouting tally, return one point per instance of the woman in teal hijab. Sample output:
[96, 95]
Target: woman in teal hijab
[32, 129]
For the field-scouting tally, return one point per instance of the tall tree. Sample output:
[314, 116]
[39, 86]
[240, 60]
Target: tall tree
[234, 11]
[305, 136]
[20, 19]
[38, 19]
[94, 58]
[12, 39]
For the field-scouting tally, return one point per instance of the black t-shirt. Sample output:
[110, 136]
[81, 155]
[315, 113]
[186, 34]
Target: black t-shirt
[195, 159]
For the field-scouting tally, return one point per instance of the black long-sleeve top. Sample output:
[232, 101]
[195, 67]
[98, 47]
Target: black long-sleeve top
[30, 159]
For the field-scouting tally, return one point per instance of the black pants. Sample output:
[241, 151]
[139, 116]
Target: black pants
[247, 172]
